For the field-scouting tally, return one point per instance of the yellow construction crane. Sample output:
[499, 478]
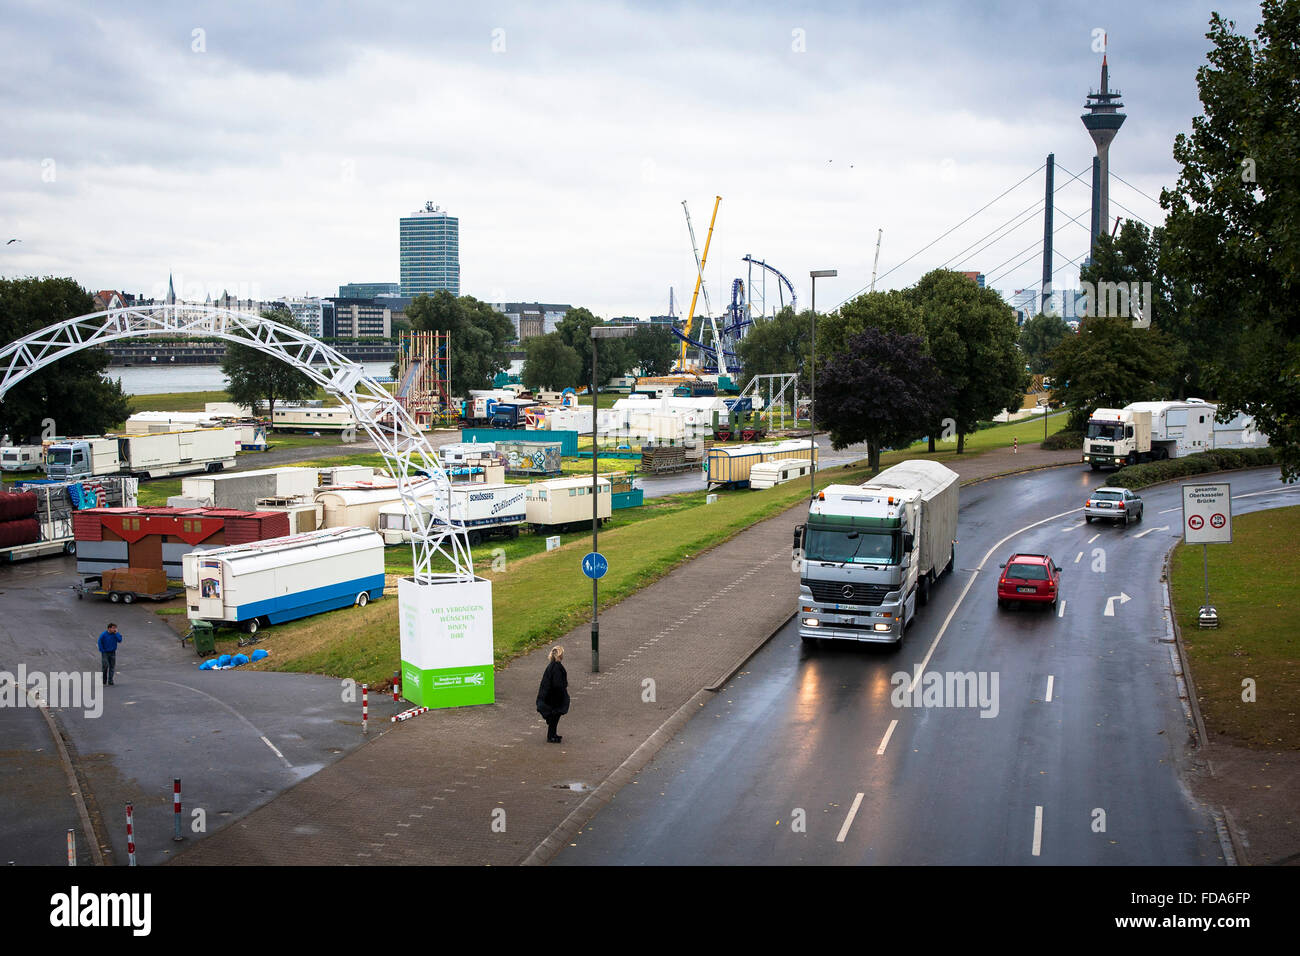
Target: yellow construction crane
[699, 274]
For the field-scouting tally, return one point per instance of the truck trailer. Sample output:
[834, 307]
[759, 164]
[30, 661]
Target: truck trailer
[869, 554]
[1148, 431]
[482, 509]
[270, 582]
[143, 456]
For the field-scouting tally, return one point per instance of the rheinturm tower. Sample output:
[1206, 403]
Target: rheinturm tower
[1102, 121]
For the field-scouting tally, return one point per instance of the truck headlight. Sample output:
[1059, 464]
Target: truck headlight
[882, 627]
[811, 622]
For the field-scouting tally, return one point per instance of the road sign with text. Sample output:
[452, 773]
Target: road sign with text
[1207, 513]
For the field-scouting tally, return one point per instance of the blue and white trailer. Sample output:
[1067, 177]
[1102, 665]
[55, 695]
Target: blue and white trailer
[482, 509]
[278, 580]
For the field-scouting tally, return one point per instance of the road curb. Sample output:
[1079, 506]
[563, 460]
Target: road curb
[77, 789]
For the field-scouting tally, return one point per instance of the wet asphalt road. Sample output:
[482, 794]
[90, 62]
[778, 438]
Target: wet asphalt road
[236, 738]
[799, 759]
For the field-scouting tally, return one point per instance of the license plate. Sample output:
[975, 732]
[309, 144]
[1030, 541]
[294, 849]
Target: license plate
[1027, 590]
[1101, 504]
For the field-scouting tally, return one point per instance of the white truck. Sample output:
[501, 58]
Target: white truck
[1148, 431]
[483, 510]
[869, 554]
[20, 458]
[478, 407]
[144, 456]
[57, 502]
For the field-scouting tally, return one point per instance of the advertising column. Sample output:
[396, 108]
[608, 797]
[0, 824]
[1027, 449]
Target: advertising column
[446, 642]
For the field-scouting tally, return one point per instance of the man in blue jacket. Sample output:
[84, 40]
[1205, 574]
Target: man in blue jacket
[108, 642]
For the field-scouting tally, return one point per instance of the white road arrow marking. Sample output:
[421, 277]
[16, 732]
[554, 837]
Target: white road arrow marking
[1073, 527]
[1143, 534]
[1110, 603]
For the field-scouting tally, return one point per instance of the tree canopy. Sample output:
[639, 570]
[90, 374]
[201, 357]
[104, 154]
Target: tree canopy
[882, 388]
[479, 335]
[972, 336]
[778, 345]
[1233, 223]
[551, 363]
[254, 377]
[74, 392]
[1038, 337]
[652, 349]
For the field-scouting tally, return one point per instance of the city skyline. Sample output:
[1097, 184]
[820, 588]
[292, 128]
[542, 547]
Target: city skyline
[566, 152]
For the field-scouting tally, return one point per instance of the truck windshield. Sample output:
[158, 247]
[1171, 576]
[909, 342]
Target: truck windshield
[850, 547]
[1109, 431]
[60, 456]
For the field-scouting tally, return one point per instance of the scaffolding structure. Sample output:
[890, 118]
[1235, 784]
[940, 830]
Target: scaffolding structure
[424, 377]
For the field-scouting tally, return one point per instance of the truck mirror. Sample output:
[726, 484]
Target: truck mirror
[798, 536]
[908, 540]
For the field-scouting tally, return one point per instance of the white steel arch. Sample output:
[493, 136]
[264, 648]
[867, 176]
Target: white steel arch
[395, 433]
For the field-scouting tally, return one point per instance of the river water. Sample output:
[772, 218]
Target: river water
[153, 379]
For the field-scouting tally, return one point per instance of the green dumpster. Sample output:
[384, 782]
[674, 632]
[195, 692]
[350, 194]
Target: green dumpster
[204, 636]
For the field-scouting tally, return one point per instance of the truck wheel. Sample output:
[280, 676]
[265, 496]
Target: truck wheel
[363, 599]
[474, 538]
[923, 590]
[70, 548]
[514, 532]
[128, 598]
[114, 597]
[253, 626]
[1132, 459]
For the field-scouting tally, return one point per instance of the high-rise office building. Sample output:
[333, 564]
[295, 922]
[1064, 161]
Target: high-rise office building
[368, 290]
[430, 252]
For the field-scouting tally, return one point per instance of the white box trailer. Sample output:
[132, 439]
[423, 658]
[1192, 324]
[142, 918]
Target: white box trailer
[344, 475]
[769, 474]
[144, 456]
[561, 503]
[241, 489]
[270, 582]
[359, 507]
[483, 510]
[20, 458]
[305, 513]
[149, 423]
[457, 452]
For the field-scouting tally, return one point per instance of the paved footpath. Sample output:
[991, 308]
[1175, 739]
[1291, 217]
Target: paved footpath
[480, 785]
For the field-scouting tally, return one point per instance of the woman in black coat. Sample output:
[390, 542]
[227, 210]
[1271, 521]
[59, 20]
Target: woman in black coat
[553, 694]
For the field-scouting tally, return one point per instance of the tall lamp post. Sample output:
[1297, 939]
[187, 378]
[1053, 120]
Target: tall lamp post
[598, 332]
[812, 382]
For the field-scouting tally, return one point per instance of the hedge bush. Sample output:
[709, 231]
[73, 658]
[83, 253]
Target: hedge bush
[1223, 459]
[1062, 440]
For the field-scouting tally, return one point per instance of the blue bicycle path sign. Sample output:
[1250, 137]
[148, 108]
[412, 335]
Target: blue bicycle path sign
[594, 565]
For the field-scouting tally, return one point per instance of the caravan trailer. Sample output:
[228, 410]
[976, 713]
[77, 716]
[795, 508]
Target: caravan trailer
[769, 474]
[565, 503]
[21, 458]
[270, 582]
[732, 465]
[359, 507]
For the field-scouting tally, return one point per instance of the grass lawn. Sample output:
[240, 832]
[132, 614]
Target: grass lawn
[1252, 584]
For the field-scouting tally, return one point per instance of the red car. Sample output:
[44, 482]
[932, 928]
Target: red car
[1032, 578]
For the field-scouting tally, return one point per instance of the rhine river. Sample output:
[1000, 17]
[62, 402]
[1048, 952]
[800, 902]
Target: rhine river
[153, 379]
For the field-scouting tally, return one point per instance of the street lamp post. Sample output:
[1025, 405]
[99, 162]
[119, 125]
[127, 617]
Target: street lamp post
[598, 332]
[812, 383]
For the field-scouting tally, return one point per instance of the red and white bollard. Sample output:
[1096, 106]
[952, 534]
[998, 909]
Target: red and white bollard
[365, 709]
[1015, 446]
[130, 836]
[176, 809]
[72, 847]
[397, 686]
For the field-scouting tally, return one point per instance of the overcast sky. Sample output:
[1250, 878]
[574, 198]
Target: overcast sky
[270, 148]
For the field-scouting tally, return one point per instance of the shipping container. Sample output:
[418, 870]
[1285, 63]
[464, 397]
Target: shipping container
[242, 489]
[732, 465]
[562, 503]
[270, 582]
[531, 457]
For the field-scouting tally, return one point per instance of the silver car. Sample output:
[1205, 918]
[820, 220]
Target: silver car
[1114, 504]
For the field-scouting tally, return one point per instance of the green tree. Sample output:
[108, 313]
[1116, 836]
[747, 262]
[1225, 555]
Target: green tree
[880, 388]
[254, 377]
[479, 335]
[74, 392]
[551, 364]
[615, 354]
[1108, 365]
[1233, 223]
[653, 350]
[778, 345]
[891, 311]
[972, 336]
[1038, 337]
